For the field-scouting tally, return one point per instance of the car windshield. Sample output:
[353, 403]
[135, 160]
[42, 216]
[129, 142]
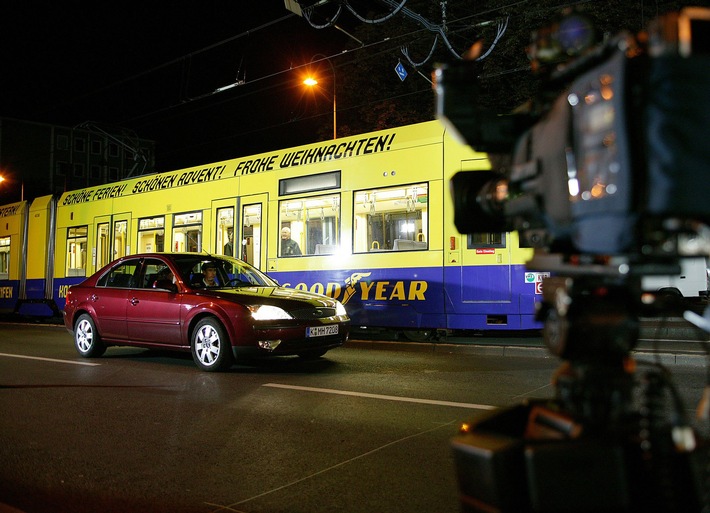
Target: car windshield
[205, 271]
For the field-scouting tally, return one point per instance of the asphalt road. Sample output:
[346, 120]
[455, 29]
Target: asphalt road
[365, 429]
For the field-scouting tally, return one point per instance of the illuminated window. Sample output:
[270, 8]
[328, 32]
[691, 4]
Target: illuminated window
[4, 258]
[187, 232]
[486, 240]
[76, 250]
[391, 219]
[151, 234]
[103, 249]
[120, 242]
[225, 231]
[251, 234]
[309, 225]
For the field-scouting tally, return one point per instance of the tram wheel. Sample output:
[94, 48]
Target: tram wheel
[419, 335]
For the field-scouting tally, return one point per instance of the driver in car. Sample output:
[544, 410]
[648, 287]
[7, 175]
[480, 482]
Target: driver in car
[209, 276]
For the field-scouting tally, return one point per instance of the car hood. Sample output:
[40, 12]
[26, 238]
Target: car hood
[269, 296]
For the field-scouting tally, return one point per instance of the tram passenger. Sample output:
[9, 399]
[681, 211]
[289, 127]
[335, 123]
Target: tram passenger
[229, 246]
[289, 247]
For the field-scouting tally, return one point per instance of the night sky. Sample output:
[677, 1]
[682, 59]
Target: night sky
[153, 67]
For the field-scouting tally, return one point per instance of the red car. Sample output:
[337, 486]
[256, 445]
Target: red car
[219, 308]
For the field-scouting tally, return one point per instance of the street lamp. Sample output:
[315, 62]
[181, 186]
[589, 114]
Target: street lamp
[311, 82]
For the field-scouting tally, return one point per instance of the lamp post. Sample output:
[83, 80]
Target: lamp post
[311, 82]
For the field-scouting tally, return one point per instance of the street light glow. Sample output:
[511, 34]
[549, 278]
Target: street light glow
[310, 82]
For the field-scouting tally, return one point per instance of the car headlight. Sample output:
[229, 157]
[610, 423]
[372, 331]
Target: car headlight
[340, 309]
[269, 313]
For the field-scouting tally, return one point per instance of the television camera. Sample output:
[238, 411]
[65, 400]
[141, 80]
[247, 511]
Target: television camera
[605, 173]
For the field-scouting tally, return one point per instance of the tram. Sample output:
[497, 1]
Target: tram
[370, 215]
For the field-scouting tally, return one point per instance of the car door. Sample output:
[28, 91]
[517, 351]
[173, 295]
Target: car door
[110, 300]
[153, 312]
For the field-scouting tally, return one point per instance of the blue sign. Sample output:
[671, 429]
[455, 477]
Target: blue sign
[401, 72]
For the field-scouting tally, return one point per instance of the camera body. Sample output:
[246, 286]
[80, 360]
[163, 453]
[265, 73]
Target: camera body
[606, 174]
[608, 157]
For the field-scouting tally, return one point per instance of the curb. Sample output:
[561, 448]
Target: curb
[664, 357]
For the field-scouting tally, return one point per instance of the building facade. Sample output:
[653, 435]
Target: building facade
[37, 159]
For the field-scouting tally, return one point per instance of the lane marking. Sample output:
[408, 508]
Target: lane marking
[88, 364]
[470, 406]
[230, 507]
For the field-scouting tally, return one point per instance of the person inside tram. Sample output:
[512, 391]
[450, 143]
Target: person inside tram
[289, 247]
[229, 246]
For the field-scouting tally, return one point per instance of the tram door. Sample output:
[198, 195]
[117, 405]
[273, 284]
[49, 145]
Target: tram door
[110, 239]
[486, 272]
[253, 219]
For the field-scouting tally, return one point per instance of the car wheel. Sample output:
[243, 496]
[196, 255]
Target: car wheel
[86, 337]
[211, 349]
[312, 355]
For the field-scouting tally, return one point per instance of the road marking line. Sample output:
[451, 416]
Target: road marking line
[48, 359]
[230, 507]
[470, 406]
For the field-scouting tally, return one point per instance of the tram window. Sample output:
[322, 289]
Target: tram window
[391, 219]
[151, 234]
[225, 231]
[103, 253]
[120, 235]
[187, 232]
[313, 223]
[4, 258]
[251, 234]
[76, 250]
[486, 240]
[309, 183]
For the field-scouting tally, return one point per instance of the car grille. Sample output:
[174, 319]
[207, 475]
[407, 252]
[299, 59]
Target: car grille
[313, 313]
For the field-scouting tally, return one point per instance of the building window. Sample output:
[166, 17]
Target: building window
[62, 168]
[113, 150]
[80, 145]
[62, 142]
[96, 147]
[78, 170]
[112, 174]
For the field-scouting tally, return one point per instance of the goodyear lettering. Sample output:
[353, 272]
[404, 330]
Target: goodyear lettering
[414, 290]
[63, 289]
[9, 211]
[6, 292]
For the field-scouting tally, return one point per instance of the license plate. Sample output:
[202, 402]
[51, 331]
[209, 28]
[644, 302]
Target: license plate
[322, 331]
